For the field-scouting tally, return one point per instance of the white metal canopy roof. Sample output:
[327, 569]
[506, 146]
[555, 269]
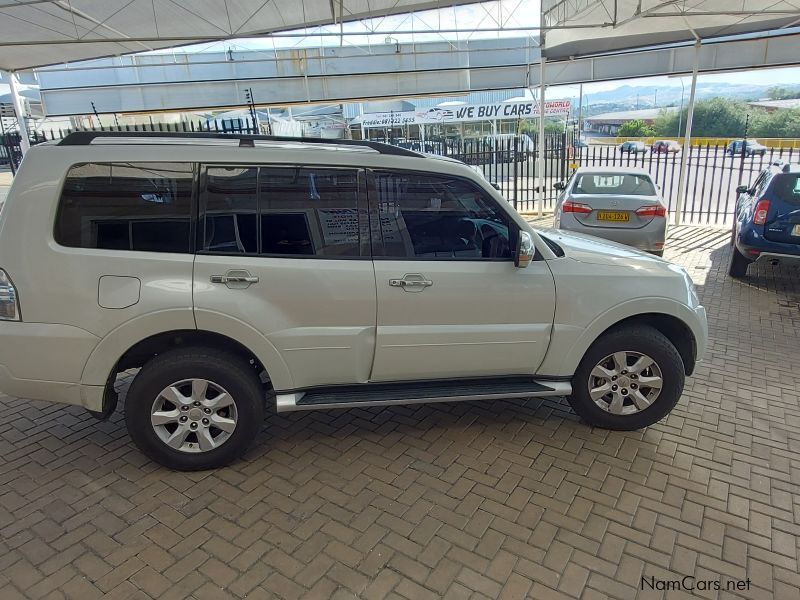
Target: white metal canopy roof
[581, 27]
[42, 32]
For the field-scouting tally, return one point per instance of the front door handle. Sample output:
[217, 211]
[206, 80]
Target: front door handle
[235, 279]
[411, 282]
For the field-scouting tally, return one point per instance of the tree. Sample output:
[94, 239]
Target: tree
[715, 117]
[778, 124]
[531, 126]
[636, 128]
[782, 93]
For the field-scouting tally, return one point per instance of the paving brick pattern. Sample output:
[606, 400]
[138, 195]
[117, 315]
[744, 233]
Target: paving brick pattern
[504, 500]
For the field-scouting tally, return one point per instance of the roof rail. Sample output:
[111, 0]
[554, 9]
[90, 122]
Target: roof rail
[84, 138]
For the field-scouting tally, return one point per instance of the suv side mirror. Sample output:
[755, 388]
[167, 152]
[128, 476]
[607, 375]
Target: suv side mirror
[742, 189]
[525, 250]
[559, 185]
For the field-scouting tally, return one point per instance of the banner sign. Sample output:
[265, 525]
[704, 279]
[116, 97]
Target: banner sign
[467, 112]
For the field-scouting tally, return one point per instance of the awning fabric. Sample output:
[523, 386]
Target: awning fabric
[585, 27]
[43, 32]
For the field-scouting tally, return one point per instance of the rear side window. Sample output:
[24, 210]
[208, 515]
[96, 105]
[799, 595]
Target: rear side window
[127, 206]
[787, 188]
[283, 211]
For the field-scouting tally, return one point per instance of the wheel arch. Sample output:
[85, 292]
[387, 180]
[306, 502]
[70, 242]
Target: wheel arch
[673, 328]
[685, 329]
[150, 334]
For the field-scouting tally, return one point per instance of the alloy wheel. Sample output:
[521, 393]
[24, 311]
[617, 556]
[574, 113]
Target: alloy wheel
[625, 382]
[194, 415]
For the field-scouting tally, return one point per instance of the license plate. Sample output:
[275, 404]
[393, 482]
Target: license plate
[604, 215]
[796, 230]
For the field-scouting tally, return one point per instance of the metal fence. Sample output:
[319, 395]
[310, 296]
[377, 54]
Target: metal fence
[10, 140]
[712, 175]
[511, 162]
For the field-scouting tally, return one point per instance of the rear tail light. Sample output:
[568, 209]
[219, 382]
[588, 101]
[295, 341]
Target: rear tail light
[574, 207]
[9, 307]
[656, 210]
[760, 214]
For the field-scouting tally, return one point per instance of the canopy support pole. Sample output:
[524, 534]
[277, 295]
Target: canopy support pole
[540, 142]
[24, 142]
[687, 138]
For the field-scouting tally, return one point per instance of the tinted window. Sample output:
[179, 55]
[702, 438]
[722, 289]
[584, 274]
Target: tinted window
[425, 216]
[127, 206]
[229, 207]
[310, 211]
[625, 184]
[787, 188]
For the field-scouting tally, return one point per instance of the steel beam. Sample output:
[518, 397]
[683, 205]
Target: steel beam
[339, 74]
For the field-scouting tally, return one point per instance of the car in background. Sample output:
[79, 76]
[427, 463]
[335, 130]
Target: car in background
[665, 147]
[766, 227]
[616, 203]
[426, 146]
[516, 147]
[746, 147]
[632, 147]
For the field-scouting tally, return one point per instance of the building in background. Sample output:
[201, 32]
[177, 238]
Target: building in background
[609, 123]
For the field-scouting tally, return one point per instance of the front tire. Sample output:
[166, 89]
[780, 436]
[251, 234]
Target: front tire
[630, 378]
[195, 408]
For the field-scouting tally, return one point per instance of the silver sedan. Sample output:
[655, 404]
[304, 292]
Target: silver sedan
[618, 204]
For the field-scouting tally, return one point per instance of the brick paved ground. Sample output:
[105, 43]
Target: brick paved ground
[508, 500]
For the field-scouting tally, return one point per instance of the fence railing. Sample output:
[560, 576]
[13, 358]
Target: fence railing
[11, 151]
[709, 195]
[701, 141]
[511, 162]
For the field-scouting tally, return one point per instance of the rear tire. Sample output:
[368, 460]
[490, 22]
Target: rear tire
[638, 404]
[215, 393]
[737, 266]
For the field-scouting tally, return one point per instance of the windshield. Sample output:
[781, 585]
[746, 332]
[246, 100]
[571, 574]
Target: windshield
[787, 188]
[619, 184]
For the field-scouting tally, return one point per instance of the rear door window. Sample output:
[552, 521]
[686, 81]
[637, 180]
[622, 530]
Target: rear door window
[311, 211]
[127, 206]
[284, 211]
[229, 210]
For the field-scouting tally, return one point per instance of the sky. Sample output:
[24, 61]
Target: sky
[756, 77]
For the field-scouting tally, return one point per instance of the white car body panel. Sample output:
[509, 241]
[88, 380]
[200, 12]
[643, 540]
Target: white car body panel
[318, 315]
[594, 279]
[309, 322]
[479, 318]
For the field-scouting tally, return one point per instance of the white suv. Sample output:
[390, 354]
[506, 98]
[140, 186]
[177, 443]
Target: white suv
[254, 273]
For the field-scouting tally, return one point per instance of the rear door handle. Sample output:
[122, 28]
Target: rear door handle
[235, 279]
[411, 282]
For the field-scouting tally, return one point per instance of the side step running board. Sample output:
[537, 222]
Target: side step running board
[387, 394]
